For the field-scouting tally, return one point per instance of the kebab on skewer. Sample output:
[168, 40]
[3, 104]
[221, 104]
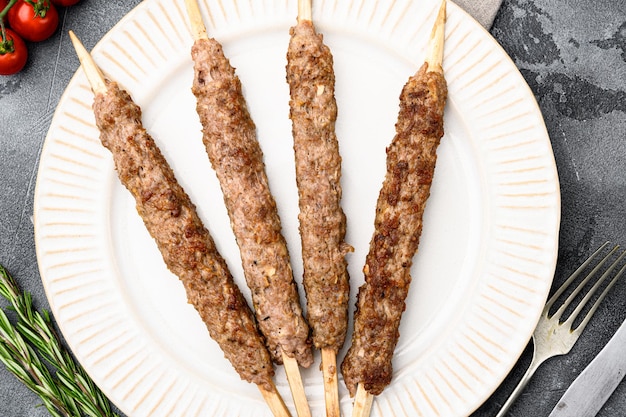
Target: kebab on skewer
[229, 135]
[185, 244]
[313, 111]
[411, 158]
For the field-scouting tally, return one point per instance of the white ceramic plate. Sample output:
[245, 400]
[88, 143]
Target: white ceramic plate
[488, 248]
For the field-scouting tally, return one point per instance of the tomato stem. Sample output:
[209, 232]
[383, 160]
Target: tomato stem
[4, 12]
[6, 45]
[40, 7]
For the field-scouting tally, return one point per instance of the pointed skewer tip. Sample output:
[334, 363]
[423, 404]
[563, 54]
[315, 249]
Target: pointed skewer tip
[304, 10]
[198, 30]
[434, 56]
[93, 73]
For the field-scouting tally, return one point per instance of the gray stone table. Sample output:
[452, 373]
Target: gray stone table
[572, 53]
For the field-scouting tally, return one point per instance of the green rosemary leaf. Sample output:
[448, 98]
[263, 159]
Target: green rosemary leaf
[70, 392]
[22, 361]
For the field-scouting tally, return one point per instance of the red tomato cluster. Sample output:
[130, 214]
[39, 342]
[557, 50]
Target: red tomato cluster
[29, 20]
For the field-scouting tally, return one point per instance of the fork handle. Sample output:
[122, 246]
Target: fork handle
[519, 388]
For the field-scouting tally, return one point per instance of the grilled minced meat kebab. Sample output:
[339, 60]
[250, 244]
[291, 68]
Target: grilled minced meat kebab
[185, 244]
[411, 161]
[229, 135]
[318, 173]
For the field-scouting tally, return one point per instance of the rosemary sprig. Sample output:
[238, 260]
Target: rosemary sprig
[71, 392]
[23, 362]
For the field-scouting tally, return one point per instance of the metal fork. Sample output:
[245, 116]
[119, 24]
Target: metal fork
[553, 337]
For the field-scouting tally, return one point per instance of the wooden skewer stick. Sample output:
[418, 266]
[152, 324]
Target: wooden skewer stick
[198, 30]
[93, 73]
[434, 55]
[98, 85]
[304, 10]
[434, 58]
[329, 356]
[362, 402]
[275, 402]
[296, 386]
[331, 386]
[292, 369]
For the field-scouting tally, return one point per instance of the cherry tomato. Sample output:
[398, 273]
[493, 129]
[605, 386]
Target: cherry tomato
[34, 20]
[13, 53]
[65, 3]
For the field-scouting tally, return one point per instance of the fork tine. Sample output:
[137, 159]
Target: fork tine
[551, 337]
[593, 309]
[575, 275]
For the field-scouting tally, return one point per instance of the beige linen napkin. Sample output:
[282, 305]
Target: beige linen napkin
[484, 11]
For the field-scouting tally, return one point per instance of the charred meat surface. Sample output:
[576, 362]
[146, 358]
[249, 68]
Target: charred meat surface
[318, 173]
[411, 161]
[185, 244]
[229, 135]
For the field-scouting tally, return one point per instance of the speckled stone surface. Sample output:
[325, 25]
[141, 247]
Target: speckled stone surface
[27, 103]
[572, 53]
